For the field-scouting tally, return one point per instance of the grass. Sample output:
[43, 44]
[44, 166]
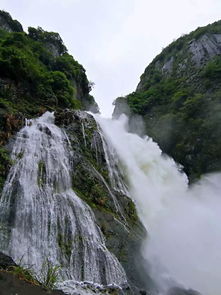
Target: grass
[24, 273]
[49, 275]
[47, 278]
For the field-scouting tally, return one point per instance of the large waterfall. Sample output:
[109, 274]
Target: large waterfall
[42, 218]
[183, 224]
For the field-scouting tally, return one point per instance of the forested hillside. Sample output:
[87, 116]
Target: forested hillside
[179, 98]
[36, 74]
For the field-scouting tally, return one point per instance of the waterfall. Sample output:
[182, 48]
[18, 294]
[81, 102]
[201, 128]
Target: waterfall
[41, 217]
[183, 223]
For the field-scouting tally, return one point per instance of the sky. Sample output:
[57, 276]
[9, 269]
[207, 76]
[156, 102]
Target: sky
[114, 39]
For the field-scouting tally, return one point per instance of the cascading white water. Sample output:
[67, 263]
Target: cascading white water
[42, 218]
[183, 224]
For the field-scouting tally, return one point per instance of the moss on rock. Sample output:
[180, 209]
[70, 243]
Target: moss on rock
[90, 181]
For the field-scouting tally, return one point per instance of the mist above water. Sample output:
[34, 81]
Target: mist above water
[183, 224]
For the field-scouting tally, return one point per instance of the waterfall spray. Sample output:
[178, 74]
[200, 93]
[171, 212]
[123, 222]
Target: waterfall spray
[184, 224]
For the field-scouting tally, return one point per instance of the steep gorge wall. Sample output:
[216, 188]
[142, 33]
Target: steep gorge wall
[37, 74]
[178, 98]
[34, 78]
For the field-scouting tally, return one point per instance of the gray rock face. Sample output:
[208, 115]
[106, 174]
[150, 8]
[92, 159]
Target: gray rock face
[193, 55]
[6, 261]
[53, 49]
[8, 24]
[217, 38]
[4, 25]
[121, 107]
[205, 48]
[168, 66]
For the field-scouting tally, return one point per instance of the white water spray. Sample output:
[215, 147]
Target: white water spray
[42, 218]
[184, 225]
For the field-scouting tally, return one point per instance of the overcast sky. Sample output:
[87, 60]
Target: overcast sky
[115, 39]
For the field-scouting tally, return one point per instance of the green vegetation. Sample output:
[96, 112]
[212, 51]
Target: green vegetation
[47, 38]
[47, 278]
[92, 190]
[213, 69]
[51, 81]
[181, 104]
[36, 72]
[214, 28]
[64, 244]
[5, 164]
[24, 273]
[49, 275]
[41, 173]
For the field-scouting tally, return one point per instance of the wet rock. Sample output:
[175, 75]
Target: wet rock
[121, 107]
[6, 261]
[12, 285]
[91, 182]
[168, 66]
[208, 46]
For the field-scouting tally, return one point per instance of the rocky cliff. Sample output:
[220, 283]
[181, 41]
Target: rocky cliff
[114, 210]
[178, 98]
[37, 75]
[37, 151]
[8, 24]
